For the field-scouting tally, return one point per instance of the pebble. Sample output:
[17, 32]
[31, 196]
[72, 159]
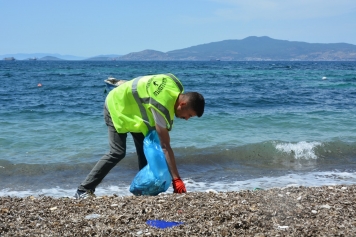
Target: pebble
[92, 216]
[304, 211]
[325, 206]
[283, 227]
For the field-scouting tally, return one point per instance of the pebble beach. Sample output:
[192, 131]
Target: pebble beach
[291, 211]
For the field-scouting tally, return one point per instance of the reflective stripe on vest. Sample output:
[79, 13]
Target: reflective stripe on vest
[175, 80]
[150, 100]
[139, 103]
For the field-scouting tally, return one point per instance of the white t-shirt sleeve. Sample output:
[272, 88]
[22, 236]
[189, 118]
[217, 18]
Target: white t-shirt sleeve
[159, 120]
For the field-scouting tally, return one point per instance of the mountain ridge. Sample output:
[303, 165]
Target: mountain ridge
[251, 48]
[254, 48]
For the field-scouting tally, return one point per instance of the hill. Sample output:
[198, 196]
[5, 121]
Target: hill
[249, 49]
[50, 58]
[109, 57]
[252, 49]
[27, 56]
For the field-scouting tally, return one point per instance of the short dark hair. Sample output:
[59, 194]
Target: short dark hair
[196, 102]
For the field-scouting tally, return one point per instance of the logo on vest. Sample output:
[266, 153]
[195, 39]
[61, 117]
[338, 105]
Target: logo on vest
[160, 87]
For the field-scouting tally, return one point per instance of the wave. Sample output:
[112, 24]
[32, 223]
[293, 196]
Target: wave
[265, 165]
[303, 150]
[311, 179]
[265, 155]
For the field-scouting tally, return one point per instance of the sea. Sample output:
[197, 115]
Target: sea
[266, 125]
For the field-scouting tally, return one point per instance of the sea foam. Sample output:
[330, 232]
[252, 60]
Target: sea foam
[311, 179]
[300, 150]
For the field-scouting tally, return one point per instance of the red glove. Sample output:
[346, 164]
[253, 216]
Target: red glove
[178, 186]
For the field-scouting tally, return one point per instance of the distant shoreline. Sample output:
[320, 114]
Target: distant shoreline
[251, 48]
[64, 60]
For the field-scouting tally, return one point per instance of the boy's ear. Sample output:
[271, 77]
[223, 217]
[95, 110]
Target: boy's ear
[182, 105]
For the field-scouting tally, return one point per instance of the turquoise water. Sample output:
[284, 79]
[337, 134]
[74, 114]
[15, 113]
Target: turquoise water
[266, 124]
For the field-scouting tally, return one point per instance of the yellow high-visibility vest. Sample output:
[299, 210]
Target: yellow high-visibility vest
[130, 104]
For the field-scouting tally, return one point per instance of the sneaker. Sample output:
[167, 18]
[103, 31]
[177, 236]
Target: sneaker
[84, 194]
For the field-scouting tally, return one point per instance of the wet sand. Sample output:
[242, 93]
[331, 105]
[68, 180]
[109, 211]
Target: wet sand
[293, 211]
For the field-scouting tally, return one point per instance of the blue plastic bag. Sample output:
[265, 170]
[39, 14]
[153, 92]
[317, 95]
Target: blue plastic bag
[163, 224]
[154, 178]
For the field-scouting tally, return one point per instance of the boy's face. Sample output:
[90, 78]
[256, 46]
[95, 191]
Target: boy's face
[184, 112]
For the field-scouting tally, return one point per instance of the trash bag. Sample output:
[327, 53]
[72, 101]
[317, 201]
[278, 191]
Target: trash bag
[154, 178]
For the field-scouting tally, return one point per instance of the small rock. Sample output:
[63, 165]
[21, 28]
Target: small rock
[4, 210]
[283, 227]
[92, 216]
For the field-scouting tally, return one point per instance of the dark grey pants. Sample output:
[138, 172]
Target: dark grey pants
[117, 143]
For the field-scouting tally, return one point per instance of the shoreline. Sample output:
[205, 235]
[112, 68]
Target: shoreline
[290, 211]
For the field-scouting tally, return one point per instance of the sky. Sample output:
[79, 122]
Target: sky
[88, 28]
